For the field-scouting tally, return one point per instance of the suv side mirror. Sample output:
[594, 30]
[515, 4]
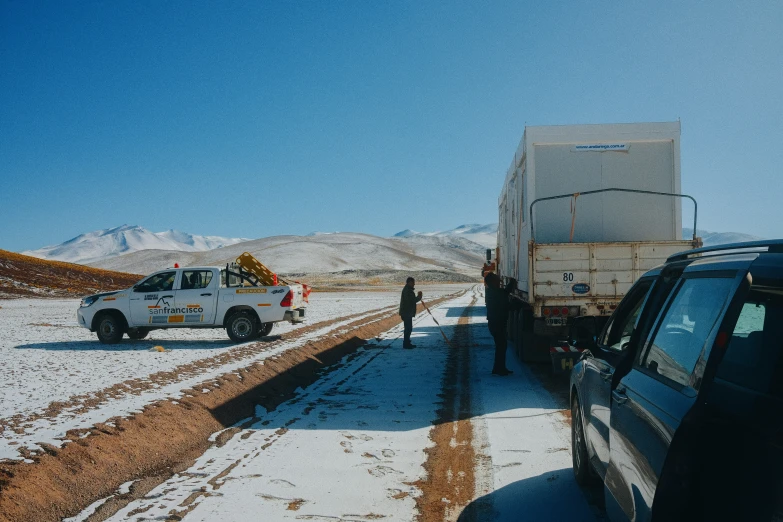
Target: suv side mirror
[583, 333]
[489, 255]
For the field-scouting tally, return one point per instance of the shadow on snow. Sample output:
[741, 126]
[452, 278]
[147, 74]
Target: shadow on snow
[143, 344]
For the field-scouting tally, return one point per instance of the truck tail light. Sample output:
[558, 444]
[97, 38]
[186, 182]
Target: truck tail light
[555, 311]
[288, 300]
[547, 312]
[564, 311]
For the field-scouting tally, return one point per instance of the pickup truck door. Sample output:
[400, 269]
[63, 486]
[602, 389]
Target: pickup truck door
[152, 299]
[196, 296]
[599, 370]
[650, 402]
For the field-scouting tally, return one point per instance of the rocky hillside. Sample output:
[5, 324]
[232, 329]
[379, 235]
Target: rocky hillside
[25, 276]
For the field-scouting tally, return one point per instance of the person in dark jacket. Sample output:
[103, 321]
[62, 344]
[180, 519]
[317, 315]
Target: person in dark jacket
[498, 307]
[408, 301]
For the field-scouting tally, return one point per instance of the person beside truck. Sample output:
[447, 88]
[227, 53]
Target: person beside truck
[498, 307]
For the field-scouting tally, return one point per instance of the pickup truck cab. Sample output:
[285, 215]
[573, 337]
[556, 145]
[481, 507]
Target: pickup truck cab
[677, 403]
[193, 297]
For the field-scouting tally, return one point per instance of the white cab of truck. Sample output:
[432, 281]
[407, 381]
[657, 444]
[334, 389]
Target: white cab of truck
[584, 211]
[193, 297]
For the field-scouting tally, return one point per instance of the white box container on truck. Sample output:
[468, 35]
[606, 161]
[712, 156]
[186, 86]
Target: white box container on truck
[584, 211]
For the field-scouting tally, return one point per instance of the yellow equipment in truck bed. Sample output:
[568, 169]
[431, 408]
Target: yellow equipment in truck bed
[255, 267]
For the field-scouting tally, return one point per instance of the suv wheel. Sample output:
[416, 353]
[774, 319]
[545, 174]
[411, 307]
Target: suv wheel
[109, 329]
[579, 446]
[241, 327]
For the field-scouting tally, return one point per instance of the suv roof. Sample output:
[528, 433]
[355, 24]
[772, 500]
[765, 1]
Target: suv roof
[771, 245]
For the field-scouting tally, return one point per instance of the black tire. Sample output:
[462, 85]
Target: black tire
[579, 447]
[242, 327]
[265, 329]
[137, 333]
[110, 328]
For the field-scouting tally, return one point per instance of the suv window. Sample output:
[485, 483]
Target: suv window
[193, 279]
[683, 331]
[623, 322]
[157, 283]
[754, 356]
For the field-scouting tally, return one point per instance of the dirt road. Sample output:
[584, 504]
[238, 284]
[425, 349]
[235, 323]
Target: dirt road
[385, 433]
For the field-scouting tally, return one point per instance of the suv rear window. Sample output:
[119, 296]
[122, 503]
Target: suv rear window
[684, 330]
[754, 356]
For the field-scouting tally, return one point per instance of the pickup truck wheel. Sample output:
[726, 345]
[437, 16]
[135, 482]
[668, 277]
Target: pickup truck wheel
[241, 327]
[265, 329]
[109, 329]
[137, 333]
[579, 447]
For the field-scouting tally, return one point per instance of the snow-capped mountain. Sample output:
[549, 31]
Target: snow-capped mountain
[719, 238]
[406, 233]
[111, 242]
[484, 235]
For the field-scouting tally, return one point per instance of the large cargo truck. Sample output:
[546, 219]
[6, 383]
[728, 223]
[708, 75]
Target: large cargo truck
[585, 210]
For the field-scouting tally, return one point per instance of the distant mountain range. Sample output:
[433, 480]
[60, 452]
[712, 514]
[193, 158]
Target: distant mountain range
[137, 250]
[719, 238]
[112, 242]
[321, 254]
[484, 235]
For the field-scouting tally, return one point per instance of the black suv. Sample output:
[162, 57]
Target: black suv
[677, 403]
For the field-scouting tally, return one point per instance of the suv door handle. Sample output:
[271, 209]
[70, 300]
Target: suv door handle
[619, 396]
[606, 374]
[205, 294]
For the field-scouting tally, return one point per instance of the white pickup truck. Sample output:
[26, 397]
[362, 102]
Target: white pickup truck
[194, 297]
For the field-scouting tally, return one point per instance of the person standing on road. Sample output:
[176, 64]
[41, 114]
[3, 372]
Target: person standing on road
[498, 307]
[408, 301]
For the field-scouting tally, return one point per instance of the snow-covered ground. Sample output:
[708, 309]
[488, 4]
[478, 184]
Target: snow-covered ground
[46, 358]
[352, 445]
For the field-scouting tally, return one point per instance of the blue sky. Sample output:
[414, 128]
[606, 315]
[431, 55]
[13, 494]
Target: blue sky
[262, 118]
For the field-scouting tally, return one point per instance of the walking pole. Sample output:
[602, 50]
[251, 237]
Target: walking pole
[436, 322]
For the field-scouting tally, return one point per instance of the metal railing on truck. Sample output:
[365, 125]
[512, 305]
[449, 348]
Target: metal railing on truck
[576, 195]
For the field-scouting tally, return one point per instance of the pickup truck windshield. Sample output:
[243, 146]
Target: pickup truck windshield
[157, 283]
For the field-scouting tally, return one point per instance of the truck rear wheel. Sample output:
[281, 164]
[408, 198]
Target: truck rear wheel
[242, 327]
[109, 329]
[265, 329]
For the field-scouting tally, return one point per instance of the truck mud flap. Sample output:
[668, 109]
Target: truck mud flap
[564, 358]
